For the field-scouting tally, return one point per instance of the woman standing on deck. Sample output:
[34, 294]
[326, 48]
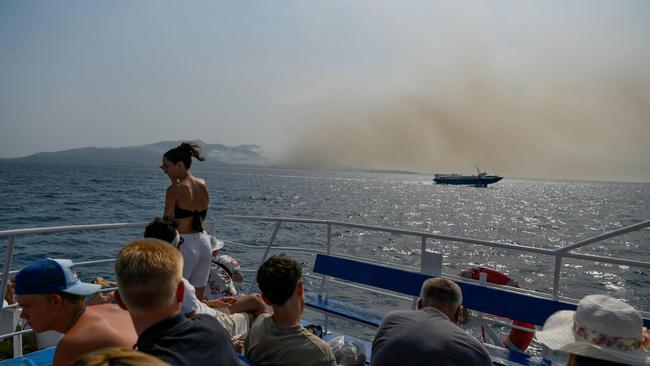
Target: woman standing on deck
[186, 202]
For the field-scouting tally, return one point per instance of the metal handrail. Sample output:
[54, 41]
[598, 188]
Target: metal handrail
[558, 254]
[11, 236]
[57, 229]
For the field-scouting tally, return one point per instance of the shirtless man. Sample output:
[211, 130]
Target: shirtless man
[52, 298]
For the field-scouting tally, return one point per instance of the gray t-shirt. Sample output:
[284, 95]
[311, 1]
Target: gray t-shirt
[270, 344]
[425, 337]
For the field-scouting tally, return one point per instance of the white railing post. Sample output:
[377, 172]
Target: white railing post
[556, 276]
[18, 340]
[266, 252]
[323, 281]
[329, 238]
[11, 243]
[423, 249]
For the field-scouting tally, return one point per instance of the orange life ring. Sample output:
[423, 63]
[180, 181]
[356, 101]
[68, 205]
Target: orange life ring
[517, 339]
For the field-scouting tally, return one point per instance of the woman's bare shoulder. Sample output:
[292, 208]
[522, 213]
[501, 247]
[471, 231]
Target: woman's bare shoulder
[200, 181]
[174, 187]
[201, 185]
[179, 188]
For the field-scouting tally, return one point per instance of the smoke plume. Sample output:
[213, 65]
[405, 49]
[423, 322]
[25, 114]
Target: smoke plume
[531, 123]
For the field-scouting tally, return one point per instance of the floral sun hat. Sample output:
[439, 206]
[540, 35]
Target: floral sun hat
[602, 327]
[216, 243]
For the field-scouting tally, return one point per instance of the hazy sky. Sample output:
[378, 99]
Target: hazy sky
[540, 89]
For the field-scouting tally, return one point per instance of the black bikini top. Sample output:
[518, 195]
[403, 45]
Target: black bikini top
[197, 217]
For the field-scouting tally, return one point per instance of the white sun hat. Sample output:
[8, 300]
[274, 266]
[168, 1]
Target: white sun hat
[602, 327]
[216, 243]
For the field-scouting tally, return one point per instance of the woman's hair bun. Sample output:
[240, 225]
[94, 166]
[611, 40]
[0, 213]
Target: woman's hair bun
[193, 149]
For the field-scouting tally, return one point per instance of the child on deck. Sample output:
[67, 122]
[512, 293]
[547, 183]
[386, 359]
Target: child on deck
[224, 272]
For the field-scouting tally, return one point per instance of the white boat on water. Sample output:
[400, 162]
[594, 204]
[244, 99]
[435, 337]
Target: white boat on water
[481, 179]
[336, 279]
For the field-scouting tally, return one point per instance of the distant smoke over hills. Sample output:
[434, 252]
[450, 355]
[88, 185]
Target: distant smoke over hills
[548, 124]
[150, 155]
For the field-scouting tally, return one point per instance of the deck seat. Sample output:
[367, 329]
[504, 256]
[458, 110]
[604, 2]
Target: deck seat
[498, 300]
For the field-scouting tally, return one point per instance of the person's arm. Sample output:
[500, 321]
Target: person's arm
[70, 348]
[246, 304]
[170, 201]
[217, 303]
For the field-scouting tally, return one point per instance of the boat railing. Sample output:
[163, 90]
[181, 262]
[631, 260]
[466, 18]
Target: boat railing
[12, 235]
[558, 254]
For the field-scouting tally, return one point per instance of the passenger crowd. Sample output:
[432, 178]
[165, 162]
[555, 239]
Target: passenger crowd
[176, 304]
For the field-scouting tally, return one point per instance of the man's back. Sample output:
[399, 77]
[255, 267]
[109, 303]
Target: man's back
[416, 337]
[99, 326]
[196, 341]
[270, 344]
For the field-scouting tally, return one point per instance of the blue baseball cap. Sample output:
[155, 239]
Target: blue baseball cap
[51, 276]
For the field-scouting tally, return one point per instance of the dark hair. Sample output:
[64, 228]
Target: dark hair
[278, 277]
[163, 229]
[589, 361]
[184, 152]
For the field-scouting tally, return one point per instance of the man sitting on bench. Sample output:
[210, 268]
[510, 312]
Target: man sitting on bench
[279, 339]
[53, 298]
[429, 334]
[149, 275]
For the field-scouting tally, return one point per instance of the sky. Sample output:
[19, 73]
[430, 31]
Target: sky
[527, 89]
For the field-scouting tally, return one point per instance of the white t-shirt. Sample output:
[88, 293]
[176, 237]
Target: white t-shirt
[192, 303]
[235, 324]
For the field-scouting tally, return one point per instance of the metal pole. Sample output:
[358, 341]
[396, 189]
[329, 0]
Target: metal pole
[329, 239]
[329, 251]
[423, 249]
[5, 270]
[602, 237]
[323, 281]
[556, 276]
[266, 252]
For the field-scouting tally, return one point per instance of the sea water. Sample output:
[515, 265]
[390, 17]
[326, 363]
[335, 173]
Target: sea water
[544, 214]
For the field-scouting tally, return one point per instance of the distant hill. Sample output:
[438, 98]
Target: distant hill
[216, 154]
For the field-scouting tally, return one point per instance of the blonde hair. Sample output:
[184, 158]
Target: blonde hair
[118, 356]
[148, 273]
[440, 291]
